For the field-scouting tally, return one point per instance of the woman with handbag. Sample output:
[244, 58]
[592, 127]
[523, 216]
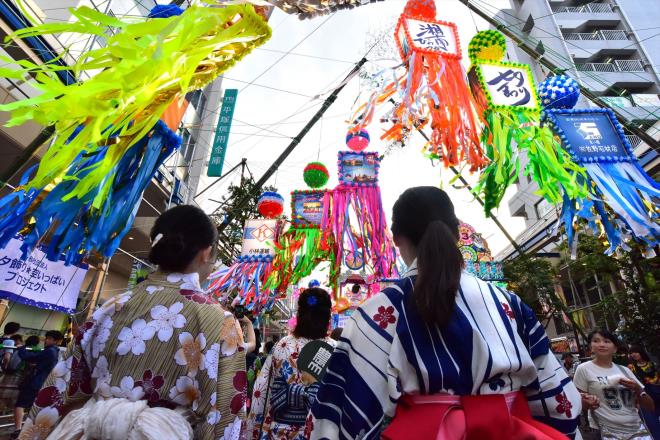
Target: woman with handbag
[611, 392]
[442, 354]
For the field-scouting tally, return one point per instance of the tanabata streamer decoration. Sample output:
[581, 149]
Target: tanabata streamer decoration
[623, 202]
[316, 175]
[77, 226]
[145, 66]
[248, 274]
[303, 246]
[270, 204]
[477, 256]
[506, 95]
[305, 9]
[433, 91]
[354, 216]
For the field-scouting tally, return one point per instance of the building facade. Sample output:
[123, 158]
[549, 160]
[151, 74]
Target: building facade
[175, 182]
[611, 48]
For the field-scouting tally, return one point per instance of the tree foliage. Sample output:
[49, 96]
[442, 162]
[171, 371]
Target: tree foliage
[532, 279]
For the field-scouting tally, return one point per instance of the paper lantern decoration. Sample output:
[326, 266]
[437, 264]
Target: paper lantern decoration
[300, 249]
[357, 141]
[270, 204]
[432, 92]
[559, 91]
[623, 199]
[355, 218]
[98, 122]
[316, 175]
[506, 96]
[477, 255]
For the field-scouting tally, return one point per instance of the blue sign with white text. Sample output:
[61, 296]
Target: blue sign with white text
[591, 137]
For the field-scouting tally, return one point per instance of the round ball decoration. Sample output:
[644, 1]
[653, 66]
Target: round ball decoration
[559, 91]
[487, 45]
[314, 283]
[357, 141]
[316, 175]
[270, 204]
[420, 9]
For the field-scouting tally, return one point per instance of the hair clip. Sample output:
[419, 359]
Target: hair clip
[312, 300]
[157, 238]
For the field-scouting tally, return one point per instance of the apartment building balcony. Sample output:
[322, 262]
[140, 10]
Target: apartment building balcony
[588, 46]
[577, 17]
[600, 77]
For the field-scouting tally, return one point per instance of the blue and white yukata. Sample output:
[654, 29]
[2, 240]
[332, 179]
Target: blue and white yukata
[493, 344]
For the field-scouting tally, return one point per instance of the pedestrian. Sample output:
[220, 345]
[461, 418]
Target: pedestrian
[10, 329]
[163, 358]
[441, 353]
[647, 373]
[569, 363]
[280, 374]
[42, 363]
[611, 392]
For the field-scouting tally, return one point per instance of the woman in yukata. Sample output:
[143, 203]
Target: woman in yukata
[442, 354]
[282, 394]
[160, 361]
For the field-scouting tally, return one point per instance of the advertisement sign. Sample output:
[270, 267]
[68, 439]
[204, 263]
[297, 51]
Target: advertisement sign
[219, 148]
[258, 237]
[307, 208]
[37, 281]
[590, 136]
[508, 85]
[360, 169]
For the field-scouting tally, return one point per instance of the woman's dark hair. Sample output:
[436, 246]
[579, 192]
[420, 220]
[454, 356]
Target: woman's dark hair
[12, 327]
[182, 232]
[32, 341]
[605, 334]
[55, 335]
[425, 216]
[313, 314]
[269, 347]
[642, 353]
[355, 288]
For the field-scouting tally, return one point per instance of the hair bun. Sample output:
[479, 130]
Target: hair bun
[167, 250]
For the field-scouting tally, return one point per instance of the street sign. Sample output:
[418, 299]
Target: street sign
[219, 149]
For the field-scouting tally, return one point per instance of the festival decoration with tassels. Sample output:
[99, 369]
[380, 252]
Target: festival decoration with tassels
[270, 204]
[98, 220]
[432, 91]
[304, 245]
[623, 202]
[100, 122]
[354, 216]
[246, 278]
[506, 96]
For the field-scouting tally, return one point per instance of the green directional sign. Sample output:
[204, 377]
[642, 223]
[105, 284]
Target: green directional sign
[222, 130]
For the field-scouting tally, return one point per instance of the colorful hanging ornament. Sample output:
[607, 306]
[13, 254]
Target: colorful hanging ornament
[432, 91]
[624, 195]
[358, 141]
[270, 204]
[247, 276]
[99, 121]
[76, 226]
[477, 256]
[354, 216]
[316, 175]
[506, 95]
[303, 246]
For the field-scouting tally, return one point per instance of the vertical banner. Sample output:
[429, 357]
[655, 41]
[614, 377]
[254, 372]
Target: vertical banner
[219, 149]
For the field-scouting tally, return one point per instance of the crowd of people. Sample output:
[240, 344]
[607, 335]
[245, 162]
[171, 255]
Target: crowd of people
[439, 354]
